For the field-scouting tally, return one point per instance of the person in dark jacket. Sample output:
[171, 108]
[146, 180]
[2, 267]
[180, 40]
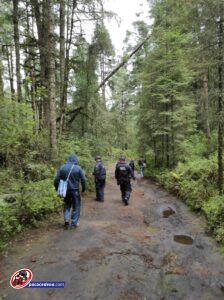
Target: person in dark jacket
[132, 165]
[123, 175]
[72, 201]
[99, 174]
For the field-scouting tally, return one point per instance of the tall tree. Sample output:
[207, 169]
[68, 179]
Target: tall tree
[46, 41]
[62, 59]
[220, 97]
[1, 81]
[50, 71]
[17, 48]
[69, 37]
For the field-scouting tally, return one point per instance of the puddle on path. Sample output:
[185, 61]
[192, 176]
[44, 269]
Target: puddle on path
[168, 212]
[183, 239]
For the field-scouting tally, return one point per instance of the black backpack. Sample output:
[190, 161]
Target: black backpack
[132, 164]
[123, 173]
[101, 174]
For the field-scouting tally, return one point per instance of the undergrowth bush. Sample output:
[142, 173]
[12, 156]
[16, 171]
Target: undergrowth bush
[10, 182]
[34, 203]
[214, 211]
[195, 183]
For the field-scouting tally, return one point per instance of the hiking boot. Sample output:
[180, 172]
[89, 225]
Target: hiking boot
[73, 226]
[125, 202]
[66, 226]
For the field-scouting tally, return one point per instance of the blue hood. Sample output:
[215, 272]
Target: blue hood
[73, 159]
[75, 176]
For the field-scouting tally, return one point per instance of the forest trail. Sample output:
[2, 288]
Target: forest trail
[121, 252]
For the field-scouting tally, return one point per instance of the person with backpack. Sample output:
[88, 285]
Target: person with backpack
[123, 175]
[67, 183]
[132, 165]
[99, 174]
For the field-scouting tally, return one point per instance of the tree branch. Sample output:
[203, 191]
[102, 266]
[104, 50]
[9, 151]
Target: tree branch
[123, 62]
[70, 112]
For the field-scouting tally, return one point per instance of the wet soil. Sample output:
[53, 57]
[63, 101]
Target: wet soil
[183, 239]
[121, 252]
[168, 212]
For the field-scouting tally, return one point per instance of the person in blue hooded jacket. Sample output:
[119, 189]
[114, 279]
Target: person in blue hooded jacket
[72, 201]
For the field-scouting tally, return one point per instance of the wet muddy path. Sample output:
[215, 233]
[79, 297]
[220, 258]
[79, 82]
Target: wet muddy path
[155, 248]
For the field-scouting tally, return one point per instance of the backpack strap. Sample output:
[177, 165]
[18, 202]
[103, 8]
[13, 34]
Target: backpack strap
[70, 172]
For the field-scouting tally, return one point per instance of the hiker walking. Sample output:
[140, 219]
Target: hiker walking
[73, 174]
[132, 165]
[99, 174]
[123, 175]
[142, 165]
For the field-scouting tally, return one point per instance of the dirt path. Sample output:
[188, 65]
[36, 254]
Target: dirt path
[121, 252]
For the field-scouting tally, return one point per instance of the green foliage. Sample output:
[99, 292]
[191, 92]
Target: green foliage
[9, 225]
[166, 115]
[35, 202]
[214, 211]
[17, 125]
[102, 41]
[196, 146]
[129, 154]
[37, 171]
[195, 183]
[10, 181]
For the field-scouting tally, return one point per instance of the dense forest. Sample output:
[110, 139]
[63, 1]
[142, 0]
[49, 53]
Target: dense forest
[63, 90]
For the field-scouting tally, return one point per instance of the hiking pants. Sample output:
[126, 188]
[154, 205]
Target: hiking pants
[99, 191]
[72, 205]
[142, 170]
[125, 187]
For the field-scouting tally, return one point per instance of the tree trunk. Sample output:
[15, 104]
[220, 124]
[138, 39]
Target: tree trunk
[103, 75]
[50, 72]
[220, 104]
[62, 57]
[155, 152]
[17, 48]
[42, 22]
[1, 81]
[45, 28]
[163, 150]
[172, 133]
[206, 111]
[31, 64]
[167, 140]
[10, 71]
[66, 67]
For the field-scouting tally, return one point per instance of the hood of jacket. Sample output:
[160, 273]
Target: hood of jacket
[73, 159]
